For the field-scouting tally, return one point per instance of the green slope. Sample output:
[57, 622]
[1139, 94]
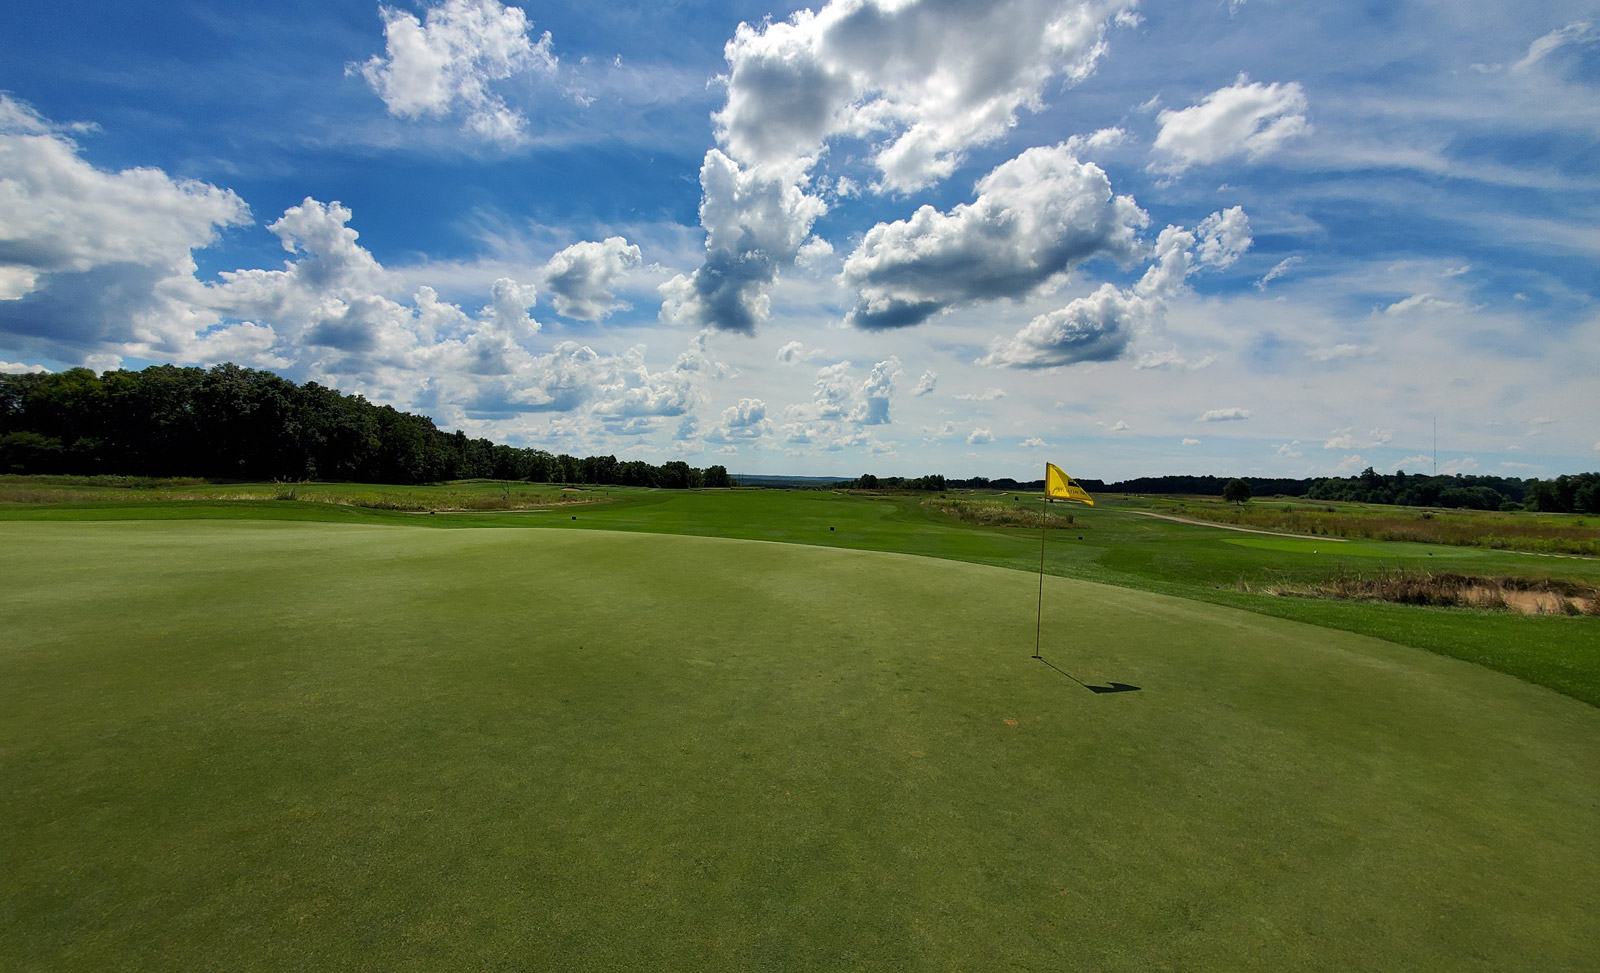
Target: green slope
[251, 745]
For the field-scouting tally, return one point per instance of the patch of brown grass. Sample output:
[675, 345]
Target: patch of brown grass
[995, 513]
[1527, 596]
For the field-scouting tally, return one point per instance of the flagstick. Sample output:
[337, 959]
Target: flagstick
[1038, 624]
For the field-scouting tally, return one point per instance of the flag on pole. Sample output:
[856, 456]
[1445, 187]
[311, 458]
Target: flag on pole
[1059, 486]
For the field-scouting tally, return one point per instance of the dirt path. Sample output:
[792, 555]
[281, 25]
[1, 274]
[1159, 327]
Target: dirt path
[1246, 530]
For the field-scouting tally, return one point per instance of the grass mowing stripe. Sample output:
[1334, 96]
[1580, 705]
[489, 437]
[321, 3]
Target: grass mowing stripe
[258, 745]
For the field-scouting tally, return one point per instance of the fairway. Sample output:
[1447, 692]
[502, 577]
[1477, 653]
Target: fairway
[309, 746]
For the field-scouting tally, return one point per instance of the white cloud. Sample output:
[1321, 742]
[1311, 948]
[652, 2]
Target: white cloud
[812, 253]
[1246, 118]
[1118, 426]
[979, 437]
[1101, 140]
[1223, 237]
[924, 81]
[1035, 217]
[926, 384]
[1093, 328]
[1346, 439]
[1034, 442]
[1170, 360]
[448, 61]
[1289, 450]
[791, 352]
[1278, 270]
[1350, 464]
[875, 392]
[987, 395]
[1420, 302]
[1223, 415]
[582, 276]
[1100, 326]
[18, 368]
[841, 406]
[1343, 352]
[1578, 32]
[755, 225]
[88, 256]
[742, 422]
[1190, 442]
[935, 77]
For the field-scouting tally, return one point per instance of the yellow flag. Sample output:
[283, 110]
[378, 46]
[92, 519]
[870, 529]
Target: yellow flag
[1059, 486]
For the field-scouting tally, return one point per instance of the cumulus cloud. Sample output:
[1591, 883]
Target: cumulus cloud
[1035, 217]
[1346, 439]
[88, 256]
[1223, 415]
[1223, 237]
[755, 225]
[791, 352]
[449, 60]
[18, 368]
[1034, 442]
[1093, 328]
[1100, 326]
[813, 252]
[1246, 118]
[923, 80]
[1098, 141]
[1190, 442]
[744, 421]
[979, 437]
[841, 405]
[875, 391]
[927, 383]
[581, 277]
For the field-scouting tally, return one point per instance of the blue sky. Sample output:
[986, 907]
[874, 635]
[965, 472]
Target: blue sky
[1251, 237]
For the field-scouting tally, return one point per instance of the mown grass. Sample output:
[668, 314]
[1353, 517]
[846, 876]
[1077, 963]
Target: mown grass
[454, 496]
[1117, 546]
[259, 745]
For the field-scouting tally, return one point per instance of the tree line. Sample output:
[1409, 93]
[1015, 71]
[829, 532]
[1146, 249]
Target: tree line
[232, 423]
[1579, 493]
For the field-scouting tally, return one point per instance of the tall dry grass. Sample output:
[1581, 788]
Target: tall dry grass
[995, 513]
[1529, 596]
[1461, 528]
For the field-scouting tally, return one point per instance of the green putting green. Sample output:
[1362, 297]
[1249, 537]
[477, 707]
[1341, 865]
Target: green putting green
[251, 745]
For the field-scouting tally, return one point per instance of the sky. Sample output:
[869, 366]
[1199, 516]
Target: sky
[1236, 237]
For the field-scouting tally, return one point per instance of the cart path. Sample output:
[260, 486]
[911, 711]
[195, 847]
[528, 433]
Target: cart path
[1246, 530]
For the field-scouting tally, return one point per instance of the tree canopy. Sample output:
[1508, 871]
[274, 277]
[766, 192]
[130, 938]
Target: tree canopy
[228, 422]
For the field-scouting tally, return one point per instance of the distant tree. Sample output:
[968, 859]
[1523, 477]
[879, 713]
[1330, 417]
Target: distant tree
[867, 482]
[1236, 491]
[717, 476]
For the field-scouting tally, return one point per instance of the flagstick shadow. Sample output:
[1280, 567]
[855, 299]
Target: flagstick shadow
[1115, 687]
